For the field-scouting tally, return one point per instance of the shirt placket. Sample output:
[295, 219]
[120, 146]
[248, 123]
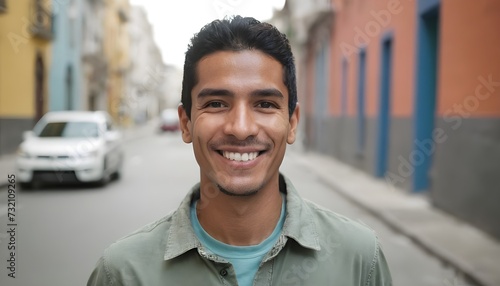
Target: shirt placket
[265, 273]
[224, 268]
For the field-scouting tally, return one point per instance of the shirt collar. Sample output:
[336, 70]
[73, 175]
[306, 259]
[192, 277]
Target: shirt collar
[180, 235]
[299, 224]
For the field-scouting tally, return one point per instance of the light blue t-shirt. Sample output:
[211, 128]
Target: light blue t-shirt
[245, 259]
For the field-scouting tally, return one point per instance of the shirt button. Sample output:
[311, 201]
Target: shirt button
[223, 272]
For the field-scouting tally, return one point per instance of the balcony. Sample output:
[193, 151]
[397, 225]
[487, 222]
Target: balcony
[3, 6]
[41, 21]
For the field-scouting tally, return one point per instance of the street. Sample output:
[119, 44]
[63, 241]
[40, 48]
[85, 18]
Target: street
[62, 231]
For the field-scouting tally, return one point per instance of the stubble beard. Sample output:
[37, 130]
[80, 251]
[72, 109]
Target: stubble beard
[233, 193]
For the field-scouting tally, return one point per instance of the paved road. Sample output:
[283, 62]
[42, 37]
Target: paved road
[62, 231]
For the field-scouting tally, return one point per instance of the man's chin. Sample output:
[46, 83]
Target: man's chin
[238, 192]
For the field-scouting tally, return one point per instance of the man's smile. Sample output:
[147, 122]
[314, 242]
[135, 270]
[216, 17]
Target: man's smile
[241, 157]
[241, 151]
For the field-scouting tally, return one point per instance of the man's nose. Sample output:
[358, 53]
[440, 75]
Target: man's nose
[241, 122]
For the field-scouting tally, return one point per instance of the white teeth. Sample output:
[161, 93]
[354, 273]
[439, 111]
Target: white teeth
[241, 157]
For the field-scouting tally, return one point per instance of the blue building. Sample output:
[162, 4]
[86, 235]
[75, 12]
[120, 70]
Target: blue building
[65, 92]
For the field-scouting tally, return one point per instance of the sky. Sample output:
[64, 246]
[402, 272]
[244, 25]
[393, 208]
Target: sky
[175, 22]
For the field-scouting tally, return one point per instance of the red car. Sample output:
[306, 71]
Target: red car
[169, 120]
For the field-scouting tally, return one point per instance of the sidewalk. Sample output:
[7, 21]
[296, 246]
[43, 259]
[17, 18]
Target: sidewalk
[456, 243]
[8, 162]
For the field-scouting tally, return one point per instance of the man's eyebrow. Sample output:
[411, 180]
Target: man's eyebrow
[267, 92]
[214, 91]
[224, 92]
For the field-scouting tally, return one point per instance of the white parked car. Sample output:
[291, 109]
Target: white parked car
[70, 146]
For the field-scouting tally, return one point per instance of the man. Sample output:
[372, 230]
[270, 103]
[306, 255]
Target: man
[244, 223]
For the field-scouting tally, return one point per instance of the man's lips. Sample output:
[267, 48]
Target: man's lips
[241, 151]
[240, 155]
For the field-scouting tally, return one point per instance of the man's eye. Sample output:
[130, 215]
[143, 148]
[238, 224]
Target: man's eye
[266, 104]
[215, 104]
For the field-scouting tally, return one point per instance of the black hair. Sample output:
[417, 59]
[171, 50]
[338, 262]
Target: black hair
[237, 34]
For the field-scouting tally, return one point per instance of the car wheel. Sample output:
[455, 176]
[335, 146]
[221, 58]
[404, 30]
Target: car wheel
[26, 186]
[106, 177]
[117, 174]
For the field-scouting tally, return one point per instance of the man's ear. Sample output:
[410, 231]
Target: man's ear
[185, 123]
[294, 123]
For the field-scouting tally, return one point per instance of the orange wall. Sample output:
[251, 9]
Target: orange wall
[470, 48]
[356, 17]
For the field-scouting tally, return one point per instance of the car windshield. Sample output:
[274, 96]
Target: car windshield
[70, 129]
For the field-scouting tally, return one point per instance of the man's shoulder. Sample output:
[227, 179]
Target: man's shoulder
[142, 253]
[341, 229]
[348, 248]
[144, 241]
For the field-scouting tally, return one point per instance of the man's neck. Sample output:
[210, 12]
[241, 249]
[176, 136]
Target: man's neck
[241, 221]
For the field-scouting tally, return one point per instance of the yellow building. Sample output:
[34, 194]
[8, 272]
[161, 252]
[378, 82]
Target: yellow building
[25, 37]
[116, 49]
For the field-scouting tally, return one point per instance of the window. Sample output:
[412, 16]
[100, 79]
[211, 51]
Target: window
[3, 6]
[70, 129]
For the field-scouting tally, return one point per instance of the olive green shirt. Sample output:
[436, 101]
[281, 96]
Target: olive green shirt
[316, 247]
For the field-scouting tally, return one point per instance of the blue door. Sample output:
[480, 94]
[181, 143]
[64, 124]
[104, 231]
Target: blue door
[384, 107]
[425, 100]
[361, 104]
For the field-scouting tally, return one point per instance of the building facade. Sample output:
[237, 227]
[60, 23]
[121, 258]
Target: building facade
[65, 88]
[116, 50]
[409, 92]
[26, 32]
[147, 70]
[94, 62]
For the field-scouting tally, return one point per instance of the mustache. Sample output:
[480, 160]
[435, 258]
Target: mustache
[231, 141]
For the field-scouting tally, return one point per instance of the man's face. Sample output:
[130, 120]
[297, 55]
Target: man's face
[240, 123]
